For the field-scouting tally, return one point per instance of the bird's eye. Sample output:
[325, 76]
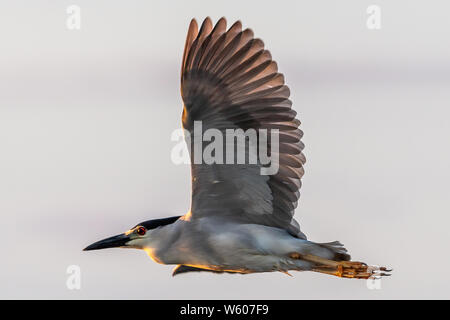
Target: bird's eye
[141, 231]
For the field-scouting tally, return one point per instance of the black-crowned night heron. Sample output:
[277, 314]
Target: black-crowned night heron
[241, 218]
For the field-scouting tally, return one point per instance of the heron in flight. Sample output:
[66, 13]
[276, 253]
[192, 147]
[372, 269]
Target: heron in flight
[240, 220]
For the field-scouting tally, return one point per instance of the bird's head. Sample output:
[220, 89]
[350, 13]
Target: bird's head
[137, 237]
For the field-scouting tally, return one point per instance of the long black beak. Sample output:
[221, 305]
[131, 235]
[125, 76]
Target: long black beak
[112, 242]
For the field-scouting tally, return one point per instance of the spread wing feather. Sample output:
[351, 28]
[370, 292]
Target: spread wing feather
[229, 81]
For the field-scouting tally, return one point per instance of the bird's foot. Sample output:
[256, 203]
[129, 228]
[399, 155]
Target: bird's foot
[360, 270]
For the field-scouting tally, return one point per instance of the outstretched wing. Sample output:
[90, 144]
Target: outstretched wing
[229, 81]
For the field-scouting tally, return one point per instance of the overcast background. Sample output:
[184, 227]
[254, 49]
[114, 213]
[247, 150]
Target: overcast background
[85, 123]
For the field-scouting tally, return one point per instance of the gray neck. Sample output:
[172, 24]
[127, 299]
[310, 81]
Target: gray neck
[164, 242]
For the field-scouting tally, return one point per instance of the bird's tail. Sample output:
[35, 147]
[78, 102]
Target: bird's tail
[338, 252]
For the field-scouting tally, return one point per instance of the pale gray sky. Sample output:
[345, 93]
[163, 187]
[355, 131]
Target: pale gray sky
[86, 118]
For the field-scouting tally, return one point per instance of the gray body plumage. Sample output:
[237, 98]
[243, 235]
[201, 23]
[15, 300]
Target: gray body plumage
[214, 243]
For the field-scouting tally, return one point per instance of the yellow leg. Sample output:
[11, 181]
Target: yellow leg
[344, 269]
